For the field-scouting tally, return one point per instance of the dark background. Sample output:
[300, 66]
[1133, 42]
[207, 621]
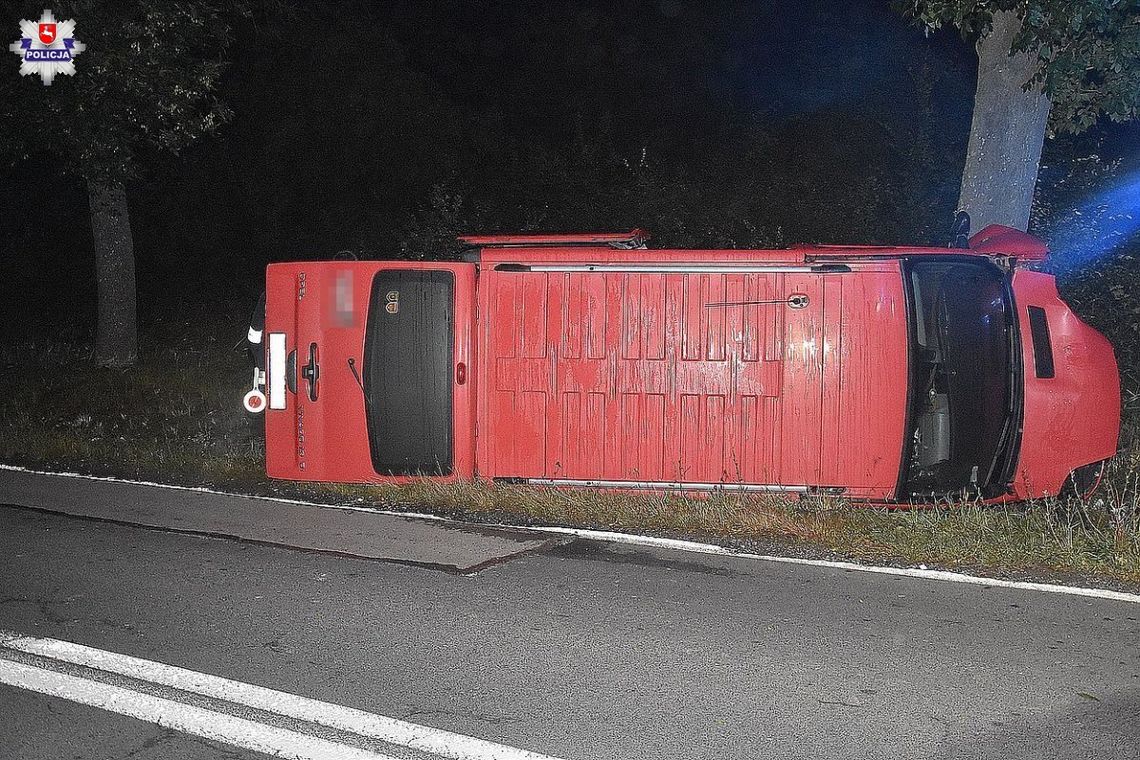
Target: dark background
[387, 129]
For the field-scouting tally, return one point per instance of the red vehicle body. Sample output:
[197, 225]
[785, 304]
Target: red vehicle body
[880, 374]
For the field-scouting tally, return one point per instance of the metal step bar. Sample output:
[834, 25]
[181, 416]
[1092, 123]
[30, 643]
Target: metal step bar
[663, 486]
[681, 268]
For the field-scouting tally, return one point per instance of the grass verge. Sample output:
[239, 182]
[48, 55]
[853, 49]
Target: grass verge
[176, 418]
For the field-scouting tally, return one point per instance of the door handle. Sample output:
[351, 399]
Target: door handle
[312, 371]
[460, 373]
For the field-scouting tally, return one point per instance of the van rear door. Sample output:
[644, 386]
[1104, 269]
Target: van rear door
[367, 370]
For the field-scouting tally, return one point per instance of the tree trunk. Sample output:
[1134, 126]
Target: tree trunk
[1007, 132]
[116, 337]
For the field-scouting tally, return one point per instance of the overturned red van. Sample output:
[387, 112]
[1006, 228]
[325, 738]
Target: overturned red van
[874, 373]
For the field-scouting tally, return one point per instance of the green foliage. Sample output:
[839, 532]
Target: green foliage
[1095, 254]
[753, 186]
[1088, 50]
[145, 87]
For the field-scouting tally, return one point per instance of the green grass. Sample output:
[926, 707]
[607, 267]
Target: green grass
[176, 417]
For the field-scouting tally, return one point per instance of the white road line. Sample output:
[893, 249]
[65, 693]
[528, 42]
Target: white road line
[905, 572]
[391, 730]
[652, 542]
[219, 727]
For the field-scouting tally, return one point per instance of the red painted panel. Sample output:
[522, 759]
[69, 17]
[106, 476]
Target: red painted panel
[801, 402]
[326, 302]
[863, 406]
[671, 377]
[999, 240]
[1073, 418]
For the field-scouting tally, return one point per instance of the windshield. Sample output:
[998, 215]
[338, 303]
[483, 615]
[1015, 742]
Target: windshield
[963, 412]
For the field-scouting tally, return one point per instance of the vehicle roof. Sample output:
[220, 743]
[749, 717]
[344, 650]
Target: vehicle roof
[993, 241]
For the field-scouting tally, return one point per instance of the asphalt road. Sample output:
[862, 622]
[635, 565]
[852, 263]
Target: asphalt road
[584, 650]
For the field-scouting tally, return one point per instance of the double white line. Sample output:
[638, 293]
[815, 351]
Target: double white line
[221, 726]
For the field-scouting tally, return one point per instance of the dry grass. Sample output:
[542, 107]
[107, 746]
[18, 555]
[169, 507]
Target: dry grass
[176, 417]
[171, 417]
[1046, 537]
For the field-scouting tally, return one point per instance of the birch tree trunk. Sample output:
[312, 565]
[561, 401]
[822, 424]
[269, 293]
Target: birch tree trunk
[1007, 132]
[116, 337]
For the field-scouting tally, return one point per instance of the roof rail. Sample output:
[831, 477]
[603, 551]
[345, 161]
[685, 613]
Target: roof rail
[633, 239]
